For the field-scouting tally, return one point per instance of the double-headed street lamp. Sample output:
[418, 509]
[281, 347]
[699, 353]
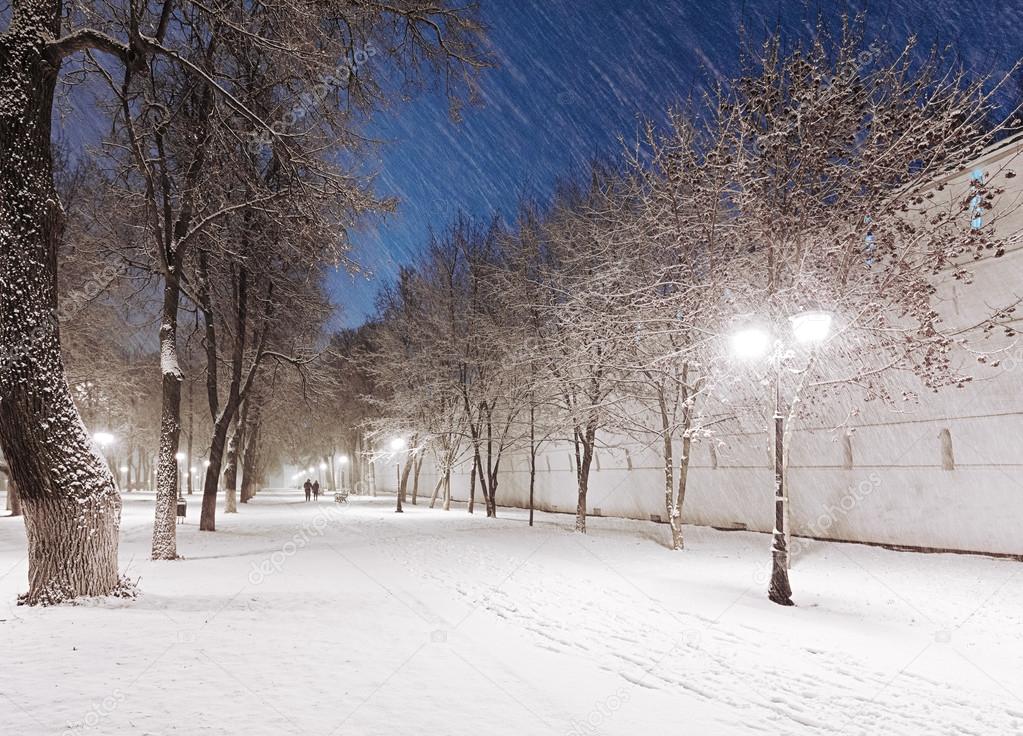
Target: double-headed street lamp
[755, 343]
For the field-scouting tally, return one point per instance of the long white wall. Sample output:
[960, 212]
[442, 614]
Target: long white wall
[945, 472]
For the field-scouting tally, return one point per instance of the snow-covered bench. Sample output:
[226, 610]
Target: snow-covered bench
[341, 496]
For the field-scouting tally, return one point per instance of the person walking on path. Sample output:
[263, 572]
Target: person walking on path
[316, 490]
[308, 486]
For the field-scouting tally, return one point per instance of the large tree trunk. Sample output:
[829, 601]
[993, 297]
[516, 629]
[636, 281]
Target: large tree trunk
[403, 484]
[668, 461]
[490, 485]
[250, 458]
[167, 485]
[13, 499]
[436, 489]
[677, 538]
[415, 479]
[583, 461]
[211, 483]
[234, 450]
[532, 458]
[231, 471]
[189, 479]
[222, 421]
[472, 482]
[70, 502]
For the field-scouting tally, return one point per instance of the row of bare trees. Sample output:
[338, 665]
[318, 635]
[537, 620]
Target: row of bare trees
[229, 180]
[827, 179]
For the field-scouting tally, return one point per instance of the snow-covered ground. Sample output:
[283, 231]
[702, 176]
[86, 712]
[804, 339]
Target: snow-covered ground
[319, 619]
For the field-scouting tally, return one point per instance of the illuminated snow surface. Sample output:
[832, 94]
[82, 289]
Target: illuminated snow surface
[303, 618]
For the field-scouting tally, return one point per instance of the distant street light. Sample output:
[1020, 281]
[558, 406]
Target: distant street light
[751, 343]
[104, 439]
[342, 461]
[180, 457]
[811, 327]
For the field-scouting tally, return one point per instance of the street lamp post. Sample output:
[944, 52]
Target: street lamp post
[808, 328]
[342, 461]
[397, 445]
[180, 457]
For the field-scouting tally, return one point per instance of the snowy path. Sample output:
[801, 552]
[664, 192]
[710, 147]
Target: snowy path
[323, 620]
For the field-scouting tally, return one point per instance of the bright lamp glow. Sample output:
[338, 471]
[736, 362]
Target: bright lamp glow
[343, 459]
[811, 327]
[397, 444]
[312, 469]
[180, 457]
[323, 466]
[124, 468]
[103, 439]
[205, 463]
[750, 343]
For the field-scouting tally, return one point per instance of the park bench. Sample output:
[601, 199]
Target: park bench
[341, 496]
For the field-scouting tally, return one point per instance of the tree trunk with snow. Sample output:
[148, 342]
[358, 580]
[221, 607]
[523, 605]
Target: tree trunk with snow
[231, 469]
[167, 483]
[71, 506]
[436, 489]
[224, 417]
[584, 458]
[13, 499]
[250, 458]
[668, 461]
[415, 479]
[234, 449]
[472, 484]
[405, 471]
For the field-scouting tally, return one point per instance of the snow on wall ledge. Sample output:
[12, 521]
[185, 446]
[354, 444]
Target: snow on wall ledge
[944, 473]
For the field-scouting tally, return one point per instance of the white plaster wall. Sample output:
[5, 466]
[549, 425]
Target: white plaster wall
[897, 490]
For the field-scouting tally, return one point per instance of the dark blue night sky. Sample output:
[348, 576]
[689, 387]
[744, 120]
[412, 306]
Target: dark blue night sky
[574, 75]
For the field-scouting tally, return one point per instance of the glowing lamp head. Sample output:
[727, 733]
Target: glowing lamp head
[750, 343]
[811, 327]
[323, 466]
[103, 439]
[343, 459]
[180, 457]
[397, 444]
